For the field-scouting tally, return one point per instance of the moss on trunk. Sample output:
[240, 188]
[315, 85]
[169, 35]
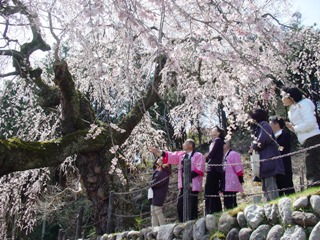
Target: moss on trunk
[18, 155]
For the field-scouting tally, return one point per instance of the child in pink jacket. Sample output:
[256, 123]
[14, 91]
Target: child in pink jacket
[197, 172]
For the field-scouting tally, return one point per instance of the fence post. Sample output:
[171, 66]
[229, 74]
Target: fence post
[43, 232]
[186, 189]
[79, 223]
[110, 211]
[302, 180]
[14, 227]
[61, 234]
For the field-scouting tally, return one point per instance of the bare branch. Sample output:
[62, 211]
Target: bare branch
[4, 34]
[14, 73]
[48, 96]
[142, 105]
[58, 40]
[274, 18]
[28, 25]
[11, 53]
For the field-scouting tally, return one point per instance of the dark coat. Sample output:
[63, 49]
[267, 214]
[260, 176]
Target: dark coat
[284, 140]
[160, 186]
[267, 148]
[215, 156]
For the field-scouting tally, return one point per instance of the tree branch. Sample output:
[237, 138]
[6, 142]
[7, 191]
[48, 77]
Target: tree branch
[48, 96]
[56, 50]
[73, 104]
[17, 155]
[11, 53]
[141, 106]
[274, 18]
[14, 73]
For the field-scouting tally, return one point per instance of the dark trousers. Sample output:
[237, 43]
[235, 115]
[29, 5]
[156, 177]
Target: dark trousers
[193, 203]
[230, 200]
[313, 161]
[212, 187]
[285, 181]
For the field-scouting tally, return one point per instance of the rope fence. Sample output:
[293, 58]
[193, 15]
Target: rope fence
[170, 204]
[227, 164]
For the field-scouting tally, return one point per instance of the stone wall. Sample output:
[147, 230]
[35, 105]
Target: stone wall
[287, 220]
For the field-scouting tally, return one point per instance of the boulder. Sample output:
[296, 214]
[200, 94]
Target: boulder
[275, 232]
[205, 237]
[254, 215]
[124, 235]
[315, 203]
[285, 210]
[304, 219]
[301, 203]
[112, 237]
[245, 233]
[241, 220]
[226, 223]
[315, 233]
[144, 232]
[119, 236]
[133, 235]
[294, 233]
[260, 233]
[103, 237]
[211, 223]
[165, 232]
[272, 213]
[233, 234]
[151, 235]
[199, 229]
[188, 231]
[177, 231]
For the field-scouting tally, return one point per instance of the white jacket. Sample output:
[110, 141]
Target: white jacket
[302, 116]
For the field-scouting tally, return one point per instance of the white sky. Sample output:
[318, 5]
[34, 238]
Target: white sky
[310, 10]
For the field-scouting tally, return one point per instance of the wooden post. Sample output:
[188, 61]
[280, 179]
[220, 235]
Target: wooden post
[302, 180]
[79, 223]
[61, 233]
[43, 227]
[186, 189]
[13, 237]
[110, 211]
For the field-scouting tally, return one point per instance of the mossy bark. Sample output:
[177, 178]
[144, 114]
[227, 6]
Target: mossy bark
[18, 155]
[93, 158]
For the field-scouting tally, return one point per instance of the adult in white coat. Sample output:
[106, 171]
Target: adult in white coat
[303, 123]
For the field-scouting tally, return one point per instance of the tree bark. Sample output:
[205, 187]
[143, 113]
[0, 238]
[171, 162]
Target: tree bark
[93, 161]
[17, 155]
[93, 175]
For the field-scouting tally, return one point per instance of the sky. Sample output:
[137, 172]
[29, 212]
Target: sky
[310, 10]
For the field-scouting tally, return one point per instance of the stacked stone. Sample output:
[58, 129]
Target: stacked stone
[286, 220]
